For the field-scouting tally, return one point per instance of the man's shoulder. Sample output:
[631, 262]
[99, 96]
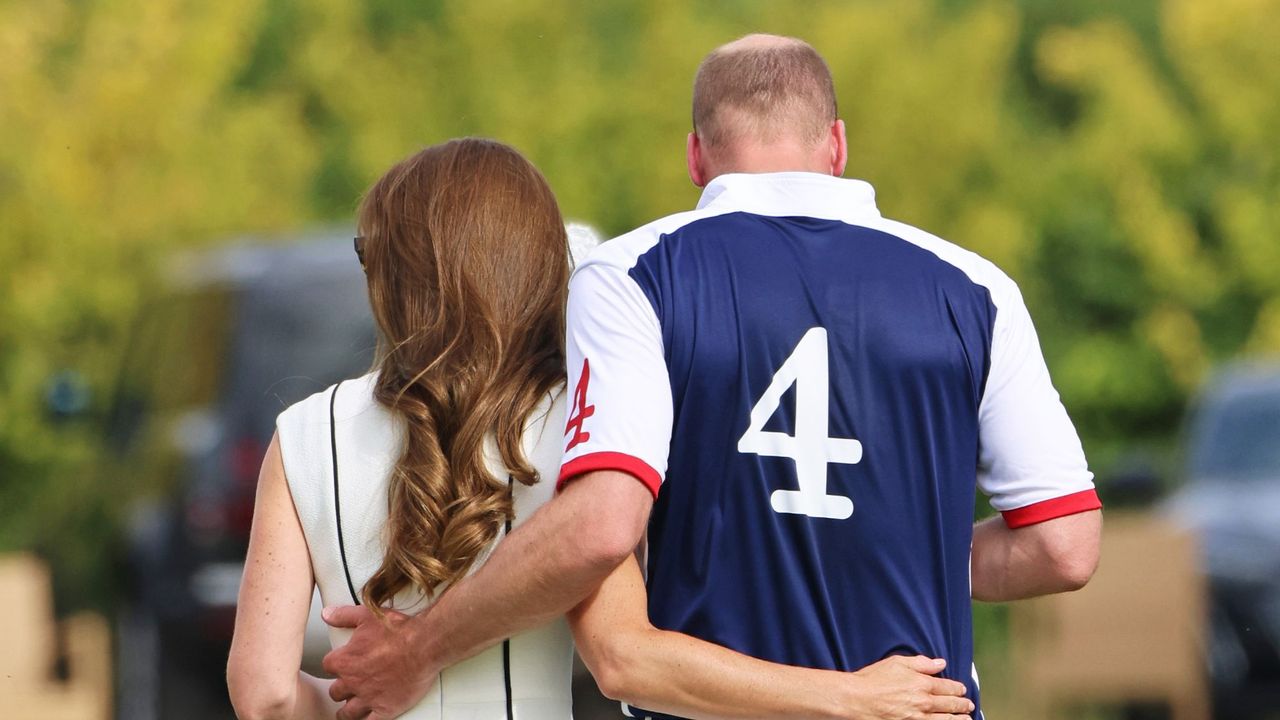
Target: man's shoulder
[623, 251]
[977, 268]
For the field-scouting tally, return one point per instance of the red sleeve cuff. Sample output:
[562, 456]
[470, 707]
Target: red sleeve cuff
[1083, 501]
[621, 462]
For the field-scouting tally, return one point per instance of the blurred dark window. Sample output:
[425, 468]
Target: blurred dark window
[1239, 439]
[293, 339]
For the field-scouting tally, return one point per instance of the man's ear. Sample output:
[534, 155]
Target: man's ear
[839, 148]
[693, 157]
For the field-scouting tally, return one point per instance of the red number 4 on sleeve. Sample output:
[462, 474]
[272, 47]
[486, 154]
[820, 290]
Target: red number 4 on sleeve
[581, 410]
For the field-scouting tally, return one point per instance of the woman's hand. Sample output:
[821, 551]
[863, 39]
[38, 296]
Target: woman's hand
[904, 688]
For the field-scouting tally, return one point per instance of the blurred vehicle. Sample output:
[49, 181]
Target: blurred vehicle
[1231, 499]
[237, 335]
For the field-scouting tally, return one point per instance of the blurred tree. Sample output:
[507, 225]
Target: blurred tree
[122, 139]
[1160, 246]
[1118, 161]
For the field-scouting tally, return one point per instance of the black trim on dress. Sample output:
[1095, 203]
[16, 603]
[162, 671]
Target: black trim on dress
[506, 644]
[337, 495]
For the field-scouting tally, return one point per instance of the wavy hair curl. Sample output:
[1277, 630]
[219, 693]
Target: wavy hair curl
[468, 264]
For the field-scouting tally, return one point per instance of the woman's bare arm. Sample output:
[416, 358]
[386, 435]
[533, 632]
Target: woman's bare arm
[263, 673]
[673, 673]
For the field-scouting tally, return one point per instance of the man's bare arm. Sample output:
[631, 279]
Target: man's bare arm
[1054, 556]
[547, 566]
[544, 569]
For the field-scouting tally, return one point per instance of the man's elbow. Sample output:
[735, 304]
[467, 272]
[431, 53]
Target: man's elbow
[612, 510]
[1074, 570]
[1074, 554]
[607, 544]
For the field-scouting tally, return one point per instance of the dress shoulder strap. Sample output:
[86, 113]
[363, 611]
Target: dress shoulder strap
[337, 495]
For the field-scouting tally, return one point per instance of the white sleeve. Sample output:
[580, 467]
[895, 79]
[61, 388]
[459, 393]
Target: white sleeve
[1030, 462]
[619, 411]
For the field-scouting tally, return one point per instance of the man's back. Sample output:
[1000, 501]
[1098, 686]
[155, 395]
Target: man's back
[827, 372]
[875, 352]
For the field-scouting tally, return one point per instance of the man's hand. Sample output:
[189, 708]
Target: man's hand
[379, 672]
[902, 688]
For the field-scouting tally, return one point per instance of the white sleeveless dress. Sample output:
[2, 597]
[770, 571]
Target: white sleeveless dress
[526, 678]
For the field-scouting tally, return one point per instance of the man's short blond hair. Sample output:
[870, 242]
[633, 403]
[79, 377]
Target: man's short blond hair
[763, 88]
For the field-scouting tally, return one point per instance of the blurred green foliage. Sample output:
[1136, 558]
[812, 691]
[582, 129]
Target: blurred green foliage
[1118, 160]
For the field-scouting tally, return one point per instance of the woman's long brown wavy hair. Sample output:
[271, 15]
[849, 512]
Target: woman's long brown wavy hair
[468, 268]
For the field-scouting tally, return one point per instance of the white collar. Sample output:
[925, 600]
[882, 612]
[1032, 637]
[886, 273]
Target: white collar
[791, 193]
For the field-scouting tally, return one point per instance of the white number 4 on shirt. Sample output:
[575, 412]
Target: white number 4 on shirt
[810, 447]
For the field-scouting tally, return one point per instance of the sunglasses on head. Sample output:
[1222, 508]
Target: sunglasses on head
[359, 245]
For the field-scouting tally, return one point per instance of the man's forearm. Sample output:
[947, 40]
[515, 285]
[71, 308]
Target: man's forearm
[1055, 556]
[544, 568]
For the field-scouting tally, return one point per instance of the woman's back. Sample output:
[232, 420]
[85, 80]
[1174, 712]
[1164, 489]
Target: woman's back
[527, 677]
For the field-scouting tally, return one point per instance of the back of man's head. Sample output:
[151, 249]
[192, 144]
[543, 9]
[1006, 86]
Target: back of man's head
[763, 90]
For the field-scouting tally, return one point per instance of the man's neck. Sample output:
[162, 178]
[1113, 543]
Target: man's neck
[756, 159]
